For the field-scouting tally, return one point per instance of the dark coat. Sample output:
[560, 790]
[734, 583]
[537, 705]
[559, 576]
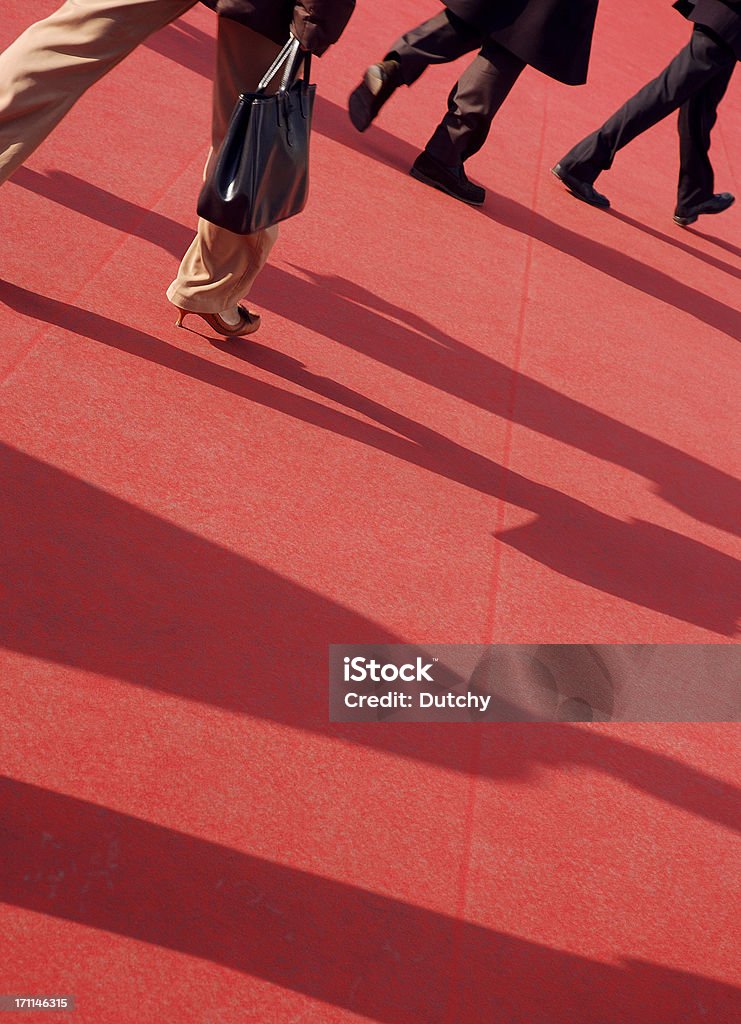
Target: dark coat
[554, 36]
[316, 23]
[723, 17]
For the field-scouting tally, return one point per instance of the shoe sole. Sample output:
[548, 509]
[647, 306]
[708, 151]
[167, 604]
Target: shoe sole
[583, 199]
[442, 188]
[363, 98]
[358, 109]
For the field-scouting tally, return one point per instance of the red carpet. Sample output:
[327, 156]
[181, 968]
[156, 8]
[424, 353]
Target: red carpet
[512, 424]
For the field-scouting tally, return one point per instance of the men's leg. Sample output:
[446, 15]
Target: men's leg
[473, 103]
[697, 116]
[700, 61]
[220, 267]
[439, 40]
[46, 70]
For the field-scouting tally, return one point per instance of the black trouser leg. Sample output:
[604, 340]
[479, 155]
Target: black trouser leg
[472, 104]
[697, 117]
[440, 40]
[700, 61]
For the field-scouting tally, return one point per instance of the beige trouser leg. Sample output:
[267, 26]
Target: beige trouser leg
[219, 267]
[46, 70]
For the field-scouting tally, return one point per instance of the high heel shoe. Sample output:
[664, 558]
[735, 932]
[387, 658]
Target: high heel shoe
[248, 322]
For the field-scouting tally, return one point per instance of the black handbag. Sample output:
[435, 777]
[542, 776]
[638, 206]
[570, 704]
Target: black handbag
[260, 175]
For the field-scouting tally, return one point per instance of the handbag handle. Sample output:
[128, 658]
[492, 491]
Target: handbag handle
[290, 56]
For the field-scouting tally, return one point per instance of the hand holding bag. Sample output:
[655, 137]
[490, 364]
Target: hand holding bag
[260, 175]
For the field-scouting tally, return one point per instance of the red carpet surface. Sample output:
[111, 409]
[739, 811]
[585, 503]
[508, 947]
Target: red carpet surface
[512, 424]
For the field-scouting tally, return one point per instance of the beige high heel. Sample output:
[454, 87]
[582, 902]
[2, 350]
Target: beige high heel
[248, 322]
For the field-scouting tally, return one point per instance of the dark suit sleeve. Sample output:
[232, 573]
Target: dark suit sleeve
[319, 23]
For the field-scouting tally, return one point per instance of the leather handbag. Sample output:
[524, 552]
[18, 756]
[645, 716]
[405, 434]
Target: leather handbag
[260, 175]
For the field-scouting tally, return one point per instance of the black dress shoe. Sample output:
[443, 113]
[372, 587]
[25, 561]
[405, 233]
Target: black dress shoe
[719, 202]
[379, 82]
[451, 180]
[583, 190]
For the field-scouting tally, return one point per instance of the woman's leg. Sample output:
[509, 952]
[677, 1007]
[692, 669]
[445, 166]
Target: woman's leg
[219, 268]
[46, 70]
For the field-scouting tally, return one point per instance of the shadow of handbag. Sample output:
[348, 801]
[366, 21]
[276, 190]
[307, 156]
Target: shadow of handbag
[261, 173]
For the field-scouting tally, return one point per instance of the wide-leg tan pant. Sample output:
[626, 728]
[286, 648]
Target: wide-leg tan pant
[46, 70]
